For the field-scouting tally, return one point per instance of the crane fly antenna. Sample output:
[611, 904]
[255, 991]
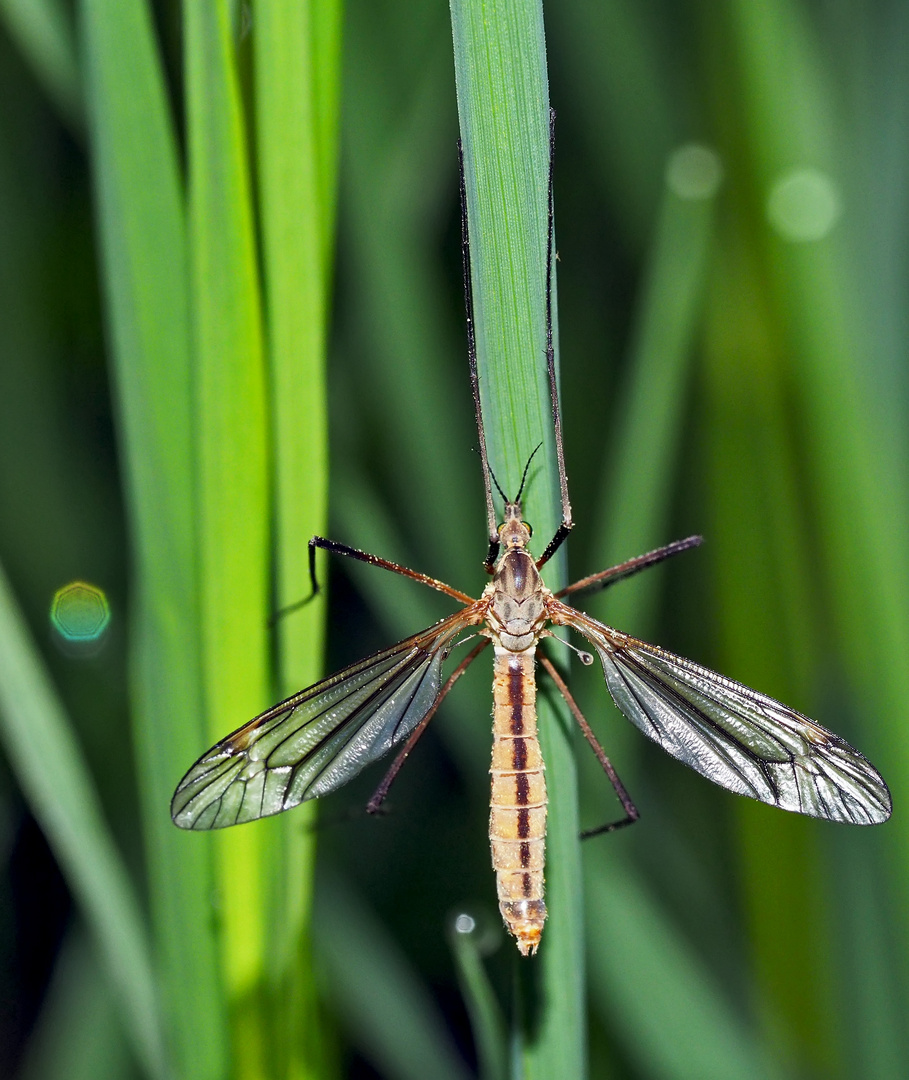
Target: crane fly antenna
[497, 484]
[517, 497]
[566, 524]
[492, 524]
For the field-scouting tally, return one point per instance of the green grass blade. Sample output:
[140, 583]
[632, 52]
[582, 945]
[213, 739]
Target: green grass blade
[232, 488]
[764, 568]
[852, 466]
[296, 94]
[297, 179]
[644, 446]
[503, 99]
[642, 450]
[48, 762]
[43, 31]
[78, 1035]
[624, 90]
[142, 228]
[486, 1020]
[676, 1023]
[391, 1016]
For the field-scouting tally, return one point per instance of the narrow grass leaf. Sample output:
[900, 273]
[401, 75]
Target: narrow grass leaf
[503, 104]
[297, 166]
[675, 1022]
[644, 445]
[856, 477]
[486, 1020]
[764, 567]
[296, 95]
[390, 1015]
[44, 32]
[49, 766]
[232, 483]
[142, 228]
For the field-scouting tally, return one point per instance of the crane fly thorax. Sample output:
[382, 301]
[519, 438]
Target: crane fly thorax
[517, 609]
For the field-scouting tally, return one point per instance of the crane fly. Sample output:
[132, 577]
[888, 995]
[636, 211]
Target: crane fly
[321, 737]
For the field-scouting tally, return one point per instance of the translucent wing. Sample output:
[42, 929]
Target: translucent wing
[734, 736]
[318, 739]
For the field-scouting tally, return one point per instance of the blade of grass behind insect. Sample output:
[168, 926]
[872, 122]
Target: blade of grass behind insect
[875, 174]
[625, 89]
[400, 160]
[42, 29]
[40, 745]
[146, 286]
[391, 1018]
[77, 1035]
[296, 91]
[855, 460]
[676, 1022]
[643, 450]
[503, 104]
[635, 503]
[764, 610]
[486, 1020]
[767, 566]
[232, 488]
[297, 181]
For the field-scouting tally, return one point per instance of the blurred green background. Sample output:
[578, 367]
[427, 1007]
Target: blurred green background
[733, 277]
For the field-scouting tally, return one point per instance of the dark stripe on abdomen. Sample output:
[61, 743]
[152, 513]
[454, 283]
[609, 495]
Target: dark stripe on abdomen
[516, 694]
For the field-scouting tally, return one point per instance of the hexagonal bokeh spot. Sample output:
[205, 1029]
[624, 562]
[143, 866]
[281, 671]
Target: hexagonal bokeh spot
[80, 613]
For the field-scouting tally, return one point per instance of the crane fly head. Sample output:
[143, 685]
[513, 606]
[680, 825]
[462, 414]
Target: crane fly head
[514, 532]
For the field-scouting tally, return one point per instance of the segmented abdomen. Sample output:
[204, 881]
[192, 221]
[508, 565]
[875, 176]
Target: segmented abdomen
[517, 815]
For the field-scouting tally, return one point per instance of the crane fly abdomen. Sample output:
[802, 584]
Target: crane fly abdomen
[517, 814]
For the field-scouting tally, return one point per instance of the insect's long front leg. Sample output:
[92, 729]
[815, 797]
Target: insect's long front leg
[364, 556]
[493, 551]
[631, 811]
[566, 524]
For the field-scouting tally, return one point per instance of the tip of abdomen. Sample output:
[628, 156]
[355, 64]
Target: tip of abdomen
[524, 919]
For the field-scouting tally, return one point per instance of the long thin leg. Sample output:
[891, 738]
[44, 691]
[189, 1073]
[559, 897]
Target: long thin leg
[375, 803]
[631, 811]
[565, 527]
[493, 552]
[616, 573]
[364, 556]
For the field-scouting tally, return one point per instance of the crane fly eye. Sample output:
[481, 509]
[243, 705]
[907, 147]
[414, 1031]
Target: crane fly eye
[528, 527]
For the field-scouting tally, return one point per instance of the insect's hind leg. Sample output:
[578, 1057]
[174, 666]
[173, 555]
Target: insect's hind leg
[374, 806]
[631, 811]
